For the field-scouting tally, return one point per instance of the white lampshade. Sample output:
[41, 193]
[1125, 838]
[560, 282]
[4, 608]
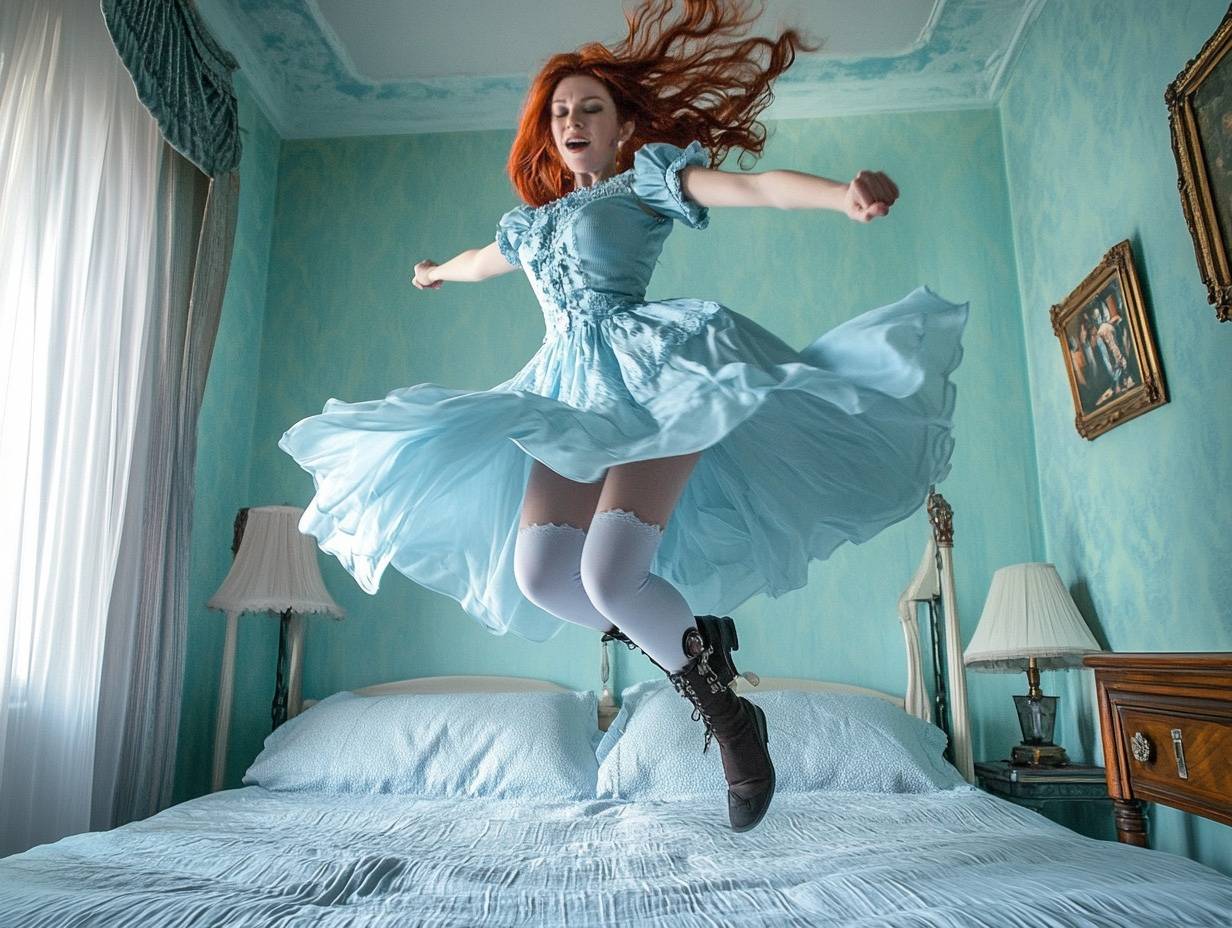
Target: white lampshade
[1028, 613]
[275, 568]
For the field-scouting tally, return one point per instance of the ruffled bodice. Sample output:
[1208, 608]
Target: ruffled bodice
[592, 251]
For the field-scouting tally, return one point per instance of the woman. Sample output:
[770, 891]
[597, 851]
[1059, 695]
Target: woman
[652, 454]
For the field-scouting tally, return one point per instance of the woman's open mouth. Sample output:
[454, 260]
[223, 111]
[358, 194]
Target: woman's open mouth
[577, 144]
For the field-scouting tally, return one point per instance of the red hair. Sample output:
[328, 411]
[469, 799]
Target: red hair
[711, 92]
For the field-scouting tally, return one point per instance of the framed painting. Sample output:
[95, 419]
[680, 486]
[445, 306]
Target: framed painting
[1108, 347]
[1199, 104]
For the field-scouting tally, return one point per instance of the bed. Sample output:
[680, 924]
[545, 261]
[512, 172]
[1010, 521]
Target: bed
[467, 801]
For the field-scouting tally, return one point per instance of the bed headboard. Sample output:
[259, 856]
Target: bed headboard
[932, 584]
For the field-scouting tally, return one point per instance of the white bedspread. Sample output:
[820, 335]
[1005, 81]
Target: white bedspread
[250, 857]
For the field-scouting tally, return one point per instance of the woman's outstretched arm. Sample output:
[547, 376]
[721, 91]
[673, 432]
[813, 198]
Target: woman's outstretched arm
[474, 264]
[868, 195]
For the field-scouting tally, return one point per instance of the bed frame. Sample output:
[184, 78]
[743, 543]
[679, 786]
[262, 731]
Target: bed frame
[932, 585]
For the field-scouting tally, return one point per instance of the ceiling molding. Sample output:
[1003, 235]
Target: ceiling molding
[309, 87]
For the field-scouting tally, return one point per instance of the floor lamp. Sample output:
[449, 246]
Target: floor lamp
[275, 570]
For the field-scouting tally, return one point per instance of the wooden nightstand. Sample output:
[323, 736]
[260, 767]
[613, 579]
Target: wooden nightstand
[1034, 786]
[1166, 721]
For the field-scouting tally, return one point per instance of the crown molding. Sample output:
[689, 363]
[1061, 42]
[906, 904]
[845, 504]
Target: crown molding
[308, 86]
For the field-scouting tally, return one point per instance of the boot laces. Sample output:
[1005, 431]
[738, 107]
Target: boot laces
[685, 688]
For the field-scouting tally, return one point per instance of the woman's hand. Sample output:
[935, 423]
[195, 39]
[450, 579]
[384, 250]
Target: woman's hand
[869, 195]
[423, 278]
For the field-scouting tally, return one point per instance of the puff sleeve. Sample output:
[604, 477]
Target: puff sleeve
[509, 232]
[656, 180]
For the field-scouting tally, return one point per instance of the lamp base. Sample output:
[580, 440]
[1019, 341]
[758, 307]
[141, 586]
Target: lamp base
[1038, 755]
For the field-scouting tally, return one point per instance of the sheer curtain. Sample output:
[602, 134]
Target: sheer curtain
[147, 623]
[81, 161]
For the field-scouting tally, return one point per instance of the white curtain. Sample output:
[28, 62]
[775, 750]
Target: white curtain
[79, 176]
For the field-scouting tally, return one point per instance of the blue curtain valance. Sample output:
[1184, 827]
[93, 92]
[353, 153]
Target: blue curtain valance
[182, 75]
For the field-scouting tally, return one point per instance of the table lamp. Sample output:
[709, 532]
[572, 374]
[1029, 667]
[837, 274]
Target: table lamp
[1030, 623]
[275, 570]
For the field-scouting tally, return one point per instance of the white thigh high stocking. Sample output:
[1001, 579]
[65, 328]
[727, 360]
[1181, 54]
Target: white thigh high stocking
[616, 576]
[546, 561]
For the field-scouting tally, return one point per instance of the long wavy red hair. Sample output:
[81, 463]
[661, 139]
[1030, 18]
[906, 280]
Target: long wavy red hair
[678, 83]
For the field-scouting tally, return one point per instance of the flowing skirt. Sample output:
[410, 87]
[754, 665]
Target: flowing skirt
[803, 450]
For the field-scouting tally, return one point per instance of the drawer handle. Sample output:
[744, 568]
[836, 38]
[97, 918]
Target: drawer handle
[1141, 747]
[1179, 750]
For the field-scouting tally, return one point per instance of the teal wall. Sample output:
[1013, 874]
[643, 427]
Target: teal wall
[1136, 520]
[224, 444]
[1006, 207]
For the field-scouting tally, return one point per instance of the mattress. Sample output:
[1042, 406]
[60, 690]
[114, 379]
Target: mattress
[253, 857]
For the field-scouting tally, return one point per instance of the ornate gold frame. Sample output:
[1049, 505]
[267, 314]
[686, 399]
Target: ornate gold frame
[1192, 180]
[1152, 391]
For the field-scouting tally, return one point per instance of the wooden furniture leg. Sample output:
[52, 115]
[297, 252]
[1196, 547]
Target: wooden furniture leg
[1130, 821]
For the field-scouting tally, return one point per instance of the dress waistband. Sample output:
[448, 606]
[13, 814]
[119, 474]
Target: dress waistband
[588, 308]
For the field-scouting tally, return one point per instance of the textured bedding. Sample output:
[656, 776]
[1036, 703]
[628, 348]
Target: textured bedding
[252, 857]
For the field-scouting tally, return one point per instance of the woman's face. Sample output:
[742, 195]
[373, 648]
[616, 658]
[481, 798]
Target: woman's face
[582, 109]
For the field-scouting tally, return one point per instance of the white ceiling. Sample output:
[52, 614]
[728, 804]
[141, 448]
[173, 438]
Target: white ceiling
[380, 67]
[397, 41]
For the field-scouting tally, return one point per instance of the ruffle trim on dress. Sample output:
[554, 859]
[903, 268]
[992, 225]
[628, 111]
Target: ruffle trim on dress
[507, 248]
[699, 216]
[509, 231]
[579, 195]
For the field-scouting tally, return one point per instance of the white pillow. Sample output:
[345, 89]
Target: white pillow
[536, 745]
[818, 741]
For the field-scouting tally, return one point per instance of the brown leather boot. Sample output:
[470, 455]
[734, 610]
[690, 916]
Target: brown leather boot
[740, 728]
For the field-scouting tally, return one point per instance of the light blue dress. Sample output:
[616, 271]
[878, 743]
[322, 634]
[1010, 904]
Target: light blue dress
[804, 450]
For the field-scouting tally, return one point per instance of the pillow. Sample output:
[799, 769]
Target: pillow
[818, 741]
[535, 745]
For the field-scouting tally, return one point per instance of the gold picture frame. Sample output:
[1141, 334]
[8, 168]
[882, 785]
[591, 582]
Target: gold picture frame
[1108, 347]
[1199, 104]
